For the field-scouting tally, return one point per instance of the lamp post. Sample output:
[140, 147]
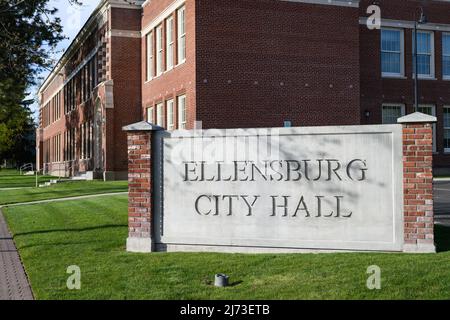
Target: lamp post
[422, 20]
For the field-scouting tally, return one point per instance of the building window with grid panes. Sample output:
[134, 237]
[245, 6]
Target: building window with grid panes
[169, 43]
[181, 103]
[425, 54]
[159, 50]
[150, 72]
[391, 112]
[181, 34]
[160, 114]
[150, 117]
[447, 129]
[392, 52]
[170, 115]
[82, 138]
[431, 111]
[446, 56]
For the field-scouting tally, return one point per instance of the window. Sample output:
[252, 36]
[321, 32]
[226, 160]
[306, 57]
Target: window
[391, 112]
[160, 114]
[150, 118]
[430, 110]
[170, 115]
[425, 54]
[55, 146]
[169, 43]
[87, 82]
[83, 144]
[94, 72]
[82, 90]
[181, 112]
[446, 129]
[89, 139]
[392, 52]
[181, 35]
[150, 72]
[446, 55]
[159, 51]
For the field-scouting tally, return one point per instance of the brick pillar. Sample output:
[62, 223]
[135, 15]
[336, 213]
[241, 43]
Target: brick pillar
[418, 182]
[140, 200]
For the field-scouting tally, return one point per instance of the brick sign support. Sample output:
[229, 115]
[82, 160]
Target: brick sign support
[139, 136]
[418, 182]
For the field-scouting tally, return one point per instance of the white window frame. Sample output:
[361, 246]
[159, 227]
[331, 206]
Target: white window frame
[444, 76]
[432, 75]
[170, 43]
[182, 113]
[150, 115]
[400, 105]
[170, 109]
[159, 51]
[181, 35]
[433, 113]
[402, 55]
[446, 150]
[150, 65]
[160, 114]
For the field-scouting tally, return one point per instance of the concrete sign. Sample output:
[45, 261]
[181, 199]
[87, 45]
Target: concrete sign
[280, 190]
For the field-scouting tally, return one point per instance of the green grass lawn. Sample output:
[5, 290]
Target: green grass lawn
[62, 190]
[13, 179]
[91, 234]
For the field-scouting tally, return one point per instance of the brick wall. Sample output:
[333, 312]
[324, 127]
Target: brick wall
[139, 178]
[262, 62]
[125, 59]
[418, 186]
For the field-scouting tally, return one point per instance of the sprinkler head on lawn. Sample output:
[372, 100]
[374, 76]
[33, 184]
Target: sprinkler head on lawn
[221, 280]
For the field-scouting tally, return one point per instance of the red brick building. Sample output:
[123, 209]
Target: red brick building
[244, 63]
[387, 91]
[94, 91]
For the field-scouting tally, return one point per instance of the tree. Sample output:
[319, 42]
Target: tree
[29, 33]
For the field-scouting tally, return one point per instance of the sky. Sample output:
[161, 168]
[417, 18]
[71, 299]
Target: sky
[72, 19]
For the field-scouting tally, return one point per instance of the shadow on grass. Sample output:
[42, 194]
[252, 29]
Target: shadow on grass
[442, 238]
[111, 226]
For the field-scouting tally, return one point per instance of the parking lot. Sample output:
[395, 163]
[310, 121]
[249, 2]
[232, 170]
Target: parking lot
[442, 202]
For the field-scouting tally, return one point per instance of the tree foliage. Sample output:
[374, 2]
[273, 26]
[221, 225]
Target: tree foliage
[29, 31]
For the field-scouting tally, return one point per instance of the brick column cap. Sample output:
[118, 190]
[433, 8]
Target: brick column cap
[142, 126]
[417, 117]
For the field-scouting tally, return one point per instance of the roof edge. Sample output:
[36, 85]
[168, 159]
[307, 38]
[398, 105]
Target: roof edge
[79, 38]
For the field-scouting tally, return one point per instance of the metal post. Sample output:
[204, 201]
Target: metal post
[416, 73]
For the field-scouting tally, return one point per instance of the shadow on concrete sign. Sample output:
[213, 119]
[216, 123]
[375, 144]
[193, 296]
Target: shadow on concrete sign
[278, 189]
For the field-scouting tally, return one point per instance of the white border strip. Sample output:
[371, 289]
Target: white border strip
[341, 3]
[408, 24]
[124, 34]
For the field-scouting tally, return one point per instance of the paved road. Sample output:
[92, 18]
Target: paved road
[13, 280]
[442, 202]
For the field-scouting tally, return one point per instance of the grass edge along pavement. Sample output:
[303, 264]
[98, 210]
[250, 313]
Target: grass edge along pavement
[63, 190]
[91, 233]
[13, 179]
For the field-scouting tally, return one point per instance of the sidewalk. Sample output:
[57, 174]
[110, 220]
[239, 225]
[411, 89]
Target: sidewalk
[64, 199]
[13, 280]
